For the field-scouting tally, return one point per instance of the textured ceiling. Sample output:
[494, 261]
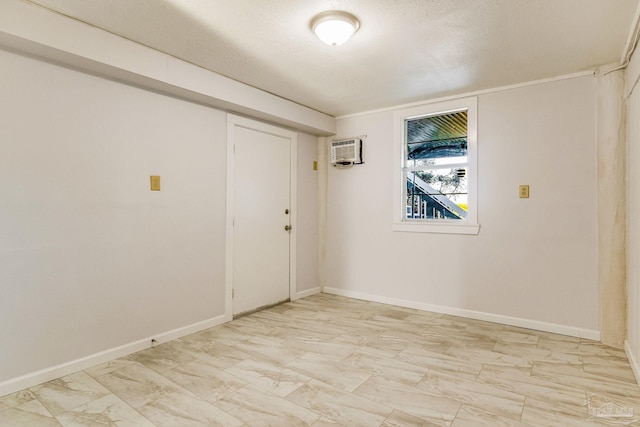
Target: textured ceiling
[404, 51]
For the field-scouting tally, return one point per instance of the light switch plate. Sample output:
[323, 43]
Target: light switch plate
[155, 182]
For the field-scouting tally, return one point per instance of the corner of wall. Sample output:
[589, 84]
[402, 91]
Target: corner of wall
[611, 169]
[632, 361]
[322, 208]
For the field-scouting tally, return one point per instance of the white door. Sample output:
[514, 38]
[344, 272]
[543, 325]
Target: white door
[261, 211]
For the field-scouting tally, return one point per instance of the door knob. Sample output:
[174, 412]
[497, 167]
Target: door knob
[287, 227]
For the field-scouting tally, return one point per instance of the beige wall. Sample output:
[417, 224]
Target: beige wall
[92, 263]
[632, 95]
[91, 259]
[307, 279]
[610, 130]
[534, 261]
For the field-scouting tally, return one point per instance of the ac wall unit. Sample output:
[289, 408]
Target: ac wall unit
[346, 152]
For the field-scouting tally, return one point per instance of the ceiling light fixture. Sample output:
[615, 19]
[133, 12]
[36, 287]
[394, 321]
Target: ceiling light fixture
[334, 27]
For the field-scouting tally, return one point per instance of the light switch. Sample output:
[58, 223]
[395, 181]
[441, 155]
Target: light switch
[155, 183]
[524, 191]
[315, 165]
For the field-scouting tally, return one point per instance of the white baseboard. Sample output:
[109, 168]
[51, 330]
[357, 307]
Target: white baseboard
[307, 293]
[632, 361]
[34, 378]
[478, 315]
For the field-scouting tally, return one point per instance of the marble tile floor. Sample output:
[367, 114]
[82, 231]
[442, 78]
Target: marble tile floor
[332, 361]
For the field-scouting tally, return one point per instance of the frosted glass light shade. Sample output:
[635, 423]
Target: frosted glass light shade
[334, 27]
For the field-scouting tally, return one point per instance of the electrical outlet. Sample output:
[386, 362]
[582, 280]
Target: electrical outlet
[524, 191]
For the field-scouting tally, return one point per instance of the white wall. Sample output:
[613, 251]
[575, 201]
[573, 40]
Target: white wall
[610, 136]
[534, 262]
[93, 263]
[632, 92]
[307, 278]
[40, 32]
[91, 259]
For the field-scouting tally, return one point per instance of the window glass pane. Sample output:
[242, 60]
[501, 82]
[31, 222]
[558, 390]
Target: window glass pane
[437, 194]
[437, 140]
[436, 158]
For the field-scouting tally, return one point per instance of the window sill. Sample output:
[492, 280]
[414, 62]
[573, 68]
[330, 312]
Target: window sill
[436, 227]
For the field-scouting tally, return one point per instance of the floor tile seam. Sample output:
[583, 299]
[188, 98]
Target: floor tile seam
[515, 356]
[382, 424]
[371, 371]
[585, 387]
[564, 389]
[588, 376]
[162, 387]
[226, 371]
[360, 396]
[171, 368]
[627, 380]
[505, 364]
[333, 386]
[483, 366]
[528, 395]
[518, 397]
[289, 400]
[422, 377]
[70, 411]
[442, 416]
[80, 405]
[148, 364]
[632, 377]
[8, 406]
[199, 376]
[398, 359]
[508, 417]
[46, 407]
[573, 416]
[605, 360]
[501, 387]
[247, 383]
[292, 368]
[457, 413]
[53, 417]
[58, 421]
[135, 410]
[524, 405]
[421, 390]
[193, 396]
[110, 389]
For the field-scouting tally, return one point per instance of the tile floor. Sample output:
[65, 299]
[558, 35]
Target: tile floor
[333, 361]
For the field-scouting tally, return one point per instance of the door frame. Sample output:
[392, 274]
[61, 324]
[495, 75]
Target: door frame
[234, 122]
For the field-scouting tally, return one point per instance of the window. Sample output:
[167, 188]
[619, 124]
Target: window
[436, 183]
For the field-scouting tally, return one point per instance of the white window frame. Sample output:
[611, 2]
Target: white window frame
[469, 225]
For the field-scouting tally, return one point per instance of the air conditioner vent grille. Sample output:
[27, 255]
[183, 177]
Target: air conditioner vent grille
[346, 152]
